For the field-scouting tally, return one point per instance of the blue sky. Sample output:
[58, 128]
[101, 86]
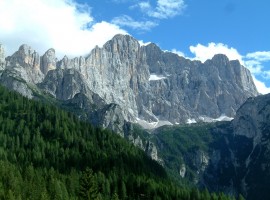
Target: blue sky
[196, 29]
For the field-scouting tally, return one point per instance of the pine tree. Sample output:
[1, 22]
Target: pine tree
[240, 197]
[88, 185]
[123, 190]
[205, 195]
[115, 196]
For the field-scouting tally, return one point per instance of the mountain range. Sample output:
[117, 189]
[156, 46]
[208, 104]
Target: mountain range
[151, 87]
[167, 105]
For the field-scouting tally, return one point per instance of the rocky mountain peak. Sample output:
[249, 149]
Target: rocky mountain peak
[153, 47]
[123, 46]
[25, 49]
[75, 63]
[63, 63]
[25, 57]
[48, 61]
[121, 37]
[220, 59]
[121, 40]
[21, 70]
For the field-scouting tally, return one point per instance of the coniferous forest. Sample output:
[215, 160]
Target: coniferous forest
[47, 153]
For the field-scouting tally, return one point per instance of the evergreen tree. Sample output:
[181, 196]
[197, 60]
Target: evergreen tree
[240, 197]
[88, 185]
[115, 196]
[47, 153]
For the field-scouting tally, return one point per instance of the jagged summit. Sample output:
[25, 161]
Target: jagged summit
[220, 58]
[147, 83]
[122, 37]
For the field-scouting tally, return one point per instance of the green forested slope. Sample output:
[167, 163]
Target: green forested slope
[180, 144]
[47, 153]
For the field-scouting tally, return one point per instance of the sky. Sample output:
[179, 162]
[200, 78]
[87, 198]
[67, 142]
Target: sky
[195, 29]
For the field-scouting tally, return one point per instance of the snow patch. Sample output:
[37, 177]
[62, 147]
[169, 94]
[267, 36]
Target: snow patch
[219, 119]
[154, 77]
[152, 125]
[224, 118]
[191, 121]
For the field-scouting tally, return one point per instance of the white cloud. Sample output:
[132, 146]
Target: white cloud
[266, 74]
[164, 8]
[127, 21]
[144, 6]
[259, 56]
[261, 87]
[62, 24]
[180, 53]
[254, 66]
[203, 53]
[255, 63]
[120, 1]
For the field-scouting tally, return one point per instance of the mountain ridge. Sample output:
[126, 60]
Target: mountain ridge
[147, 83]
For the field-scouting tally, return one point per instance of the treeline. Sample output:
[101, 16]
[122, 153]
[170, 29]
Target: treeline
[47, 153]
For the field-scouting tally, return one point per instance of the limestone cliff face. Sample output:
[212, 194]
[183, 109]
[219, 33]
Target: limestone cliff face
[190, 89]
[110, 117]
[112, 72]
[153, 85]
[146, 83]
[64, 84]
[27, 62]
[48, 61]
[21, 70]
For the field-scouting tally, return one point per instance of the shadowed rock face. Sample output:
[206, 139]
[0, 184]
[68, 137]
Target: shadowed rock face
[232, 157]
[146, 82]
[252, 116]
[239, 161]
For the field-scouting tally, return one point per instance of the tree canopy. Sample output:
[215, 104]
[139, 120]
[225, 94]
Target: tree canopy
[48, 153]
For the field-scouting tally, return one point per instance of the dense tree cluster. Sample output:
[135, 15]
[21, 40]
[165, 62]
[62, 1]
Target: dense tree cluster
[47, 153]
